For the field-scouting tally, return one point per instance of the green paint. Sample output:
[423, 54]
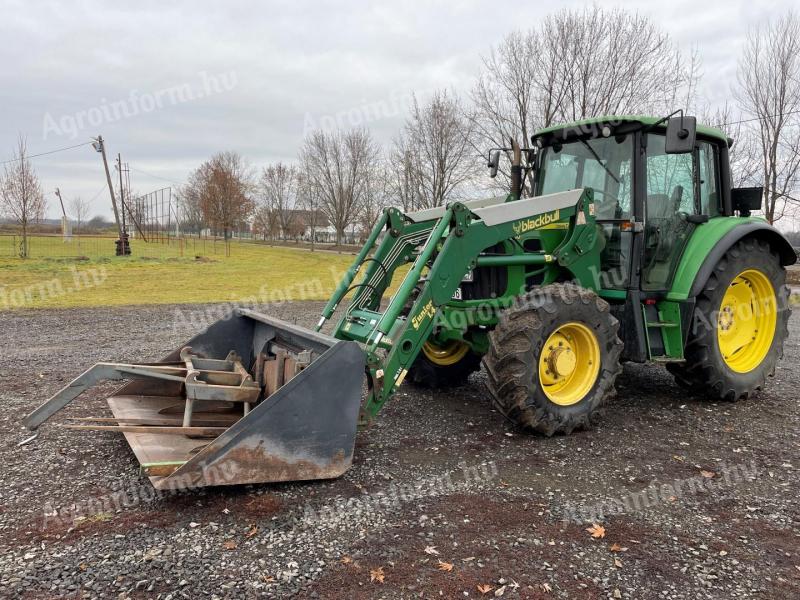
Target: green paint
[702, 130]
[702, 241]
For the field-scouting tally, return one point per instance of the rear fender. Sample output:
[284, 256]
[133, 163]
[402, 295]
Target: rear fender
[709, 244]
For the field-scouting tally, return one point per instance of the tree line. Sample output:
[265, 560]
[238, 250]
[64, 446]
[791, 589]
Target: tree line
[576, 64]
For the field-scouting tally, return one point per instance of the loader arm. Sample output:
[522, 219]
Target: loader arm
[453, 244]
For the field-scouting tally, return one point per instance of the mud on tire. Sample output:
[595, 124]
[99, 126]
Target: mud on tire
[512, 362]
[705, 372]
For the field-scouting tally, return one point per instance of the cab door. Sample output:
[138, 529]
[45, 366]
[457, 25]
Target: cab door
[681, 192]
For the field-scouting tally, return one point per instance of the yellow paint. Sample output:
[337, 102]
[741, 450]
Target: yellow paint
[427, 312]
[401, 377]
[569, 363]
[535, 223]
[746, 321]
[448, 354]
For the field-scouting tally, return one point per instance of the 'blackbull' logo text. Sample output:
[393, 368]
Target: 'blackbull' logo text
[535, 223]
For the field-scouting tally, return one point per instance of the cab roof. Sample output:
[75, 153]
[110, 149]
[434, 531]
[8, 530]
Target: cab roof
[645, 120]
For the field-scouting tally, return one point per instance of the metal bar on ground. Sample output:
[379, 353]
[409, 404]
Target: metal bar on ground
[200, 431]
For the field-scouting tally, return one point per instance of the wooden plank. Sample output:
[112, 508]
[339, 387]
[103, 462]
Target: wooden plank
[197, 431]
[199, 419]
[154, 448]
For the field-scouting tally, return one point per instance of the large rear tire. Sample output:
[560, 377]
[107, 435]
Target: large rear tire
[739, 326]
[553, 359]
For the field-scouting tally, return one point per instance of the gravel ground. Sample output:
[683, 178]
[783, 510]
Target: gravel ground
[696, 499]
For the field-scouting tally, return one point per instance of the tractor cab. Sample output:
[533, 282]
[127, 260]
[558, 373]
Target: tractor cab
[644, 190]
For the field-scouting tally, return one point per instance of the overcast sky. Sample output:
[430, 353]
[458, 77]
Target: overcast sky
[169, 84]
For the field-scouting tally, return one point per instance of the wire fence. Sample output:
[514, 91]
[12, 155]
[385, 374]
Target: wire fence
[100, 246]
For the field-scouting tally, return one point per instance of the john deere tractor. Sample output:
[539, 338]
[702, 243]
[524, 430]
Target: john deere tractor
[621, 240]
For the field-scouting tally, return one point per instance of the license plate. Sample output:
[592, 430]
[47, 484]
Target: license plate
[457, 294]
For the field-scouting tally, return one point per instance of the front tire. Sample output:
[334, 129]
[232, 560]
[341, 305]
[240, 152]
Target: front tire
[739, 327]
[553, 359]
[443, 366]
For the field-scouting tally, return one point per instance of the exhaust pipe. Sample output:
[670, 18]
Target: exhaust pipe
[516, 170]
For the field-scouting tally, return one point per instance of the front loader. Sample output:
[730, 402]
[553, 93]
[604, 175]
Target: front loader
[621, 240]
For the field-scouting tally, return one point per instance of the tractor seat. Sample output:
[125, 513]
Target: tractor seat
[661, 221]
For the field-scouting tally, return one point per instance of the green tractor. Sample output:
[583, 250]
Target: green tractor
[621, 240]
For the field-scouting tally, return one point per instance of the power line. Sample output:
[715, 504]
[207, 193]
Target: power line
[5, 162]
[156, 176]
[97, 194]
[791, 112]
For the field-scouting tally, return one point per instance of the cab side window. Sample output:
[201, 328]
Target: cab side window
[708, 168]
[670, 198]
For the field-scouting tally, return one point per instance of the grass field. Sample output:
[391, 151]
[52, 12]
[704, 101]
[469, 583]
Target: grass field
[102, 246]
[194, 272]
[252, 273]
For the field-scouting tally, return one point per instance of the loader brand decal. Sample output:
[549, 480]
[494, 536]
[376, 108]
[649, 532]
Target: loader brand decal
[427, 312]
[401, 375]
[535, 223]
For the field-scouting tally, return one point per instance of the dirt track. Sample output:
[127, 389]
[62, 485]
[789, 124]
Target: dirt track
[719, 516]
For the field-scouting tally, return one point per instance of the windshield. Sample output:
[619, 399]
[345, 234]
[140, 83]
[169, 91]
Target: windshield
[603, 164]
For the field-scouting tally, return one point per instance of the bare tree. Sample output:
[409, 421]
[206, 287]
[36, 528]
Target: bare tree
[309, 201]
[278, 192]
[80, 210]
[265, 222]
[21, 196]
[578, 64]
[402, 177]
[516, 92]
[769, 89]
[743, 153]
[379, 196]
[435, 150]
[189, 200]
[336, 165]
[224, 190]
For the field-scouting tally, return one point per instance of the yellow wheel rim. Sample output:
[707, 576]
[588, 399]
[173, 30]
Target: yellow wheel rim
[446, 354]
[569, 363]
[746, 321]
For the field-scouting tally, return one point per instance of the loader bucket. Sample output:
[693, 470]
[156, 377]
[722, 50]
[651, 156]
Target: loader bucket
[250, 400]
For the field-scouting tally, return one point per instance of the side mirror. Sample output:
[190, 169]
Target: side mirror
[494, 163]
[681, 133]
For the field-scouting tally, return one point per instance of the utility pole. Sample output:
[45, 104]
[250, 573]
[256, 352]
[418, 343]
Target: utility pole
[313, 223]
[65, 230]
[63, 212]
[122, 241]
[122, 192]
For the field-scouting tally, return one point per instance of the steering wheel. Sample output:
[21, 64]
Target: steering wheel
[608, 196]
